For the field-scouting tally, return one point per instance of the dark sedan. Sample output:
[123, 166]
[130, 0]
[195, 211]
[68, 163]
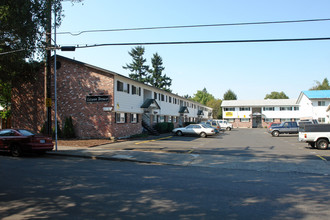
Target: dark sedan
[20, 141]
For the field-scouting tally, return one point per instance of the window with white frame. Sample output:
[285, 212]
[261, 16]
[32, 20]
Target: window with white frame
[134, 90]
[229, 109]
[169, 119]
[296, 108]
[269, 119]
[285, 119]
[120, 86]
[161, 118]
[244, 109]
[134, 118]
[321, 120]
[321, 103]
[245, 120]
[286, 108]
[174, 119]
[120, 117]
[268, 108]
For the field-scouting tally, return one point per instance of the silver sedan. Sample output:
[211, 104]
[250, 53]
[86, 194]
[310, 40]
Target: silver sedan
[195, 129]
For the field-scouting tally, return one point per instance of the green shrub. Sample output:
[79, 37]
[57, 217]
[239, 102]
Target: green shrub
[164, 127]
[68, 129]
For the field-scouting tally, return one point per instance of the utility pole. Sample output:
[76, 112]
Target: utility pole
[48, 75]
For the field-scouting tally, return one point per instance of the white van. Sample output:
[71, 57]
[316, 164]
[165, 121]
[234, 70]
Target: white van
[225, 125]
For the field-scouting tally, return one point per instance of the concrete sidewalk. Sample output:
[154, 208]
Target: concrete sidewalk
[273, 164]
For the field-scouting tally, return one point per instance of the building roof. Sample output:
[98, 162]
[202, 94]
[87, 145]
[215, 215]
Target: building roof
[108, 72]
[259, 103]
[317, 94]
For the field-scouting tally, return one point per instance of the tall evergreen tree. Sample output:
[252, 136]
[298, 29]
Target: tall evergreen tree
[276, 95]
[322, 86]
[229, 95]
[157, 78]
[138, 68]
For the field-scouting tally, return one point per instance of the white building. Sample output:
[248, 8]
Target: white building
[259, 113]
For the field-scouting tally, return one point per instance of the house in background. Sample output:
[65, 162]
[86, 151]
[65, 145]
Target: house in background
[259, 113]
[101, 103]
[314, 104]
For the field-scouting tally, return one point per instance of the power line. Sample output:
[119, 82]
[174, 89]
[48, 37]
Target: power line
[205, 42]
[195, 26]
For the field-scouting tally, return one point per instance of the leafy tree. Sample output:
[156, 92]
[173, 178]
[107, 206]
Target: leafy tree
[276, 95]
[157, 79]
[138, 68]
[216, 105]
[202, 96]
[321, 86]
[229, 95]
[68, 129]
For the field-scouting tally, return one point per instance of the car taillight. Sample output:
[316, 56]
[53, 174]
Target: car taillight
[305, 135]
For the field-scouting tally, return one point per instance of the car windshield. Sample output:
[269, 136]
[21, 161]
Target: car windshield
[26, 132]
[207, 126]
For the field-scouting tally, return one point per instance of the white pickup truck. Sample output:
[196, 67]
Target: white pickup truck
[317, 136]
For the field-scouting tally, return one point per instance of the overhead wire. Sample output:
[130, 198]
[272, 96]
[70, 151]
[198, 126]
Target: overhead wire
[205, 42]
[195, 26]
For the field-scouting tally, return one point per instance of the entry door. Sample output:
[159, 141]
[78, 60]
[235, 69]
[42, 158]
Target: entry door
[256, 122]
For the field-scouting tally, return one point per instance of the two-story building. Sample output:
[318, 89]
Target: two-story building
[259, 113]
[101, 103]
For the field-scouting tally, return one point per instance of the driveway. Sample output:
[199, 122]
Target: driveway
[238, 142]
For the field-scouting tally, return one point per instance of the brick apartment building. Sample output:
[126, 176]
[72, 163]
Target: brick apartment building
[101, 103]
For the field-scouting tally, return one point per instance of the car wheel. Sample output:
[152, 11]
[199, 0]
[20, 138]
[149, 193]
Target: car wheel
[322, 144]
[179, 133]
[228, 128]
[203, 135]
[16, 151]
[276, 133]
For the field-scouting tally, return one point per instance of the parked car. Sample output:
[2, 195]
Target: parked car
[195, 129]
[19, 141]
[273, 124]
[224, 124]
[316, 135]
[284, 128]
[208, 124]
[213, 124]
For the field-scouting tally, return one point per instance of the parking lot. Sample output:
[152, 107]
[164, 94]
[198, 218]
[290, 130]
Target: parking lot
[238, 142]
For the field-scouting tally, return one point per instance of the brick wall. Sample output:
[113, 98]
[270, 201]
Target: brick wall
[75, 81]
[28, 108]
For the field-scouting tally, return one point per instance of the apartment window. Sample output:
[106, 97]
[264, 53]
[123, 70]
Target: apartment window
[169, 119]
[321, 103]
[170, 99]
[162, 118]
[120, 86]
[139, 91]
[134, 118]
[128, 86]
[174, 119]
[321, 120]
[245, 120]
[285, 108]
[229, 109]
[134, 90]
[285, 119]
[296, 108]
[155, 95]
[269, 120]
[244, 108]
[269, 109]
[120, 117]
[162, 97]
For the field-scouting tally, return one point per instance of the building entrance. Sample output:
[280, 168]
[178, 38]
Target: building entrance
[256, 118]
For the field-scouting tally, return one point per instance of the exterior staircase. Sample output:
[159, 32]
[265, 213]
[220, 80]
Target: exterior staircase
[146, 124]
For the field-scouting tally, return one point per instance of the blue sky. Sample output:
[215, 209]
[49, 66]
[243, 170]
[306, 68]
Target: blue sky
[251, 70]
